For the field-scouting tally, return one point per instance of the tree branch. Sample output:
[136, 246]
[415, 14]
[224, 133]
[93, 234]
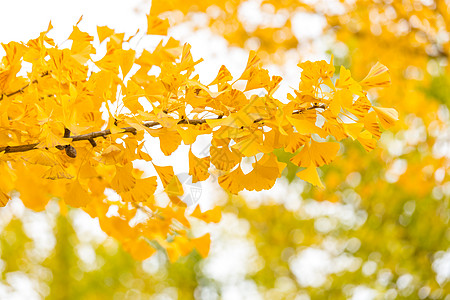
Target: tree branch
[46, 73]
[92, 135]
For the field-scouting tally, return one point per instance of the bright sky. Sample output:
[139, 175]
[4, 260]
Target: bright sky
[25, 19]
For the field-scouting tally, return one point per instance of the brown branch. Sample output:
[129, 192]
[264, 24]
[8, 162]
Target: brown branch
[19, 91]
[92, 135]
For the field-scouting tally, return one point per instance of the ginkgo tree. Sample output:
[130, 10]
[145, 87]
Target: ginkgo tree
[72, 127]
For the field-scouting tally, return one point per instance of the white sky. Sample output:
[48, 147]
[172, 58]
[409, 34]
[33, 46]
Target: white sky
[21, 20]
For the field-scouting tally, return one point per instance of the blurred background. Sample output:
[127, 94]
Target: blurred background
[380, 229]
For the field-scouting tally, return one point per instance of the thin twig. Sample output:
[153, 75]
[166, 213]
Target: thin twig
[24, 87]
[92, 135]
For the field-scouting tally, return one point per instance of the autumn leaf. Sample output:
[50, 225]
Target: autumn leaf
[198, 167]
[387, 116]
[378, 77]
[310, 175]
[156, 25]
[76, 195]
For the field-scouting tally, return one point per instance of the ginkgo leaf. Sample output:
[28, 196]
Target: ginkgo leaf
[142, 191]
[48, 139]
[360, 107]
[318, 154]
[306, 127]
[4, 199]
[323, 153]
[111, 155]
[264, 173]
[368, 143]
[251, 144]
[139, 250]
[353, 129]
[157, 25]
[165, 174]
[223, 158]
[76, 195]
[378, 77]
[174, 187]
[189, 135]
[371, 124]
[124, 180]
[126, 60]
[342, 99]
[253, 63]
[198, 167]
[169, 140]
[214, 215]
[310, 175]
[295, 141]
[202, 244]
[233, 181]
[303, 158]
[104, 32]
[57, 172]
[34, 194]
[222, 77]
[258, 78]
[346, 81]
[387, 116]
[40, 157]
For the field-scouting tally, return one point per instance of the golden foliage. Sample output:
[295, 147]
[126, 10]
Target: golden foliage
[51, 125]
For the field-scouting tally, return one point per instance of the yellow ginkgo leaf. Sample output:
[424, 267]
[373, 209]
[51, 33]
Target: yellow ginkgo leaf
[76, 195]
[142, 191]
[174, 187]
[371, 124]
[258, 78]
[310, 175]
[57, 172]
[295, 141]
[251, 144]
[303, 158]
[110, 156]
[253, 63]
[124, 180]
[346, 81]
[317, 154]
[378, 77]
[202, 244]
[157, 26]
[387, 116]
[264, 174]
[169, 140]
[126, 60]
[223, 158]
[104, 32]
[48, 139]
[368, 143]
[34, 193]
[4, 199]
[353, 129]
[323, 153]
[198, 167]
[233, 181]
[139, 250]
[306, 127]
[165, 174]
[40, 157]
[214, 215]
[341, 99]
[222, 77]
